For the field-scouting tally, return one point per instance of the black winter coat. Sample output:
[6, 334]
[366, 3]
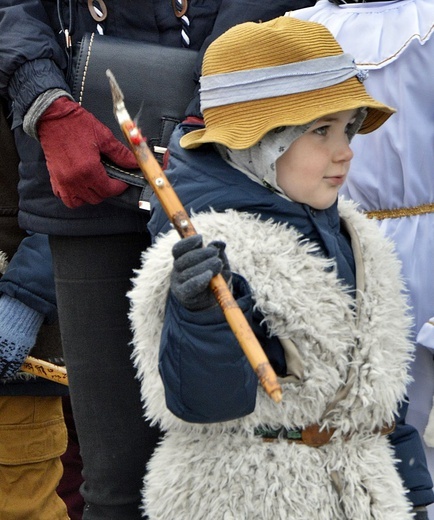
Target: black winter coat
[33, 60]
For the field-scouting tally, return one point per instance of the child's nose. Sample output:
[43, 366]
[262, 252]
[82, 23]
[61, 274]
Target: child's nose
[343, 151]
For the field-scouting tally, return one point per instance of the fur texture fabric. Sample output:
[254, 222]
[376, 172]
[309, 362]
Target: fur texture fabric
[221, 470]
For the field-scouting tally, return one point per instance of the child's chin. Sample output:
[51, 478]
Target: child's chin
[323, 205]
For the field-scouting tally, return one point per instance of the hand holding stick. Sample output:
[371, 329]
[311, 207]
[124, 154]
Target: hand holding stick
[176, 213]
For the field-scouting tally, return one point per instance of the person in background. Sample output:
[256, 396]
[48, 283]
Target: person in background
[391, 175]
[33, 434]
[72, 478]
[95, 243]
[314, 277]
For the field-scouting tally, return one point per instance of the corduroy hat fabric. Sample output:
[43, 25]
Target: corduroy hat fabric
[282, 41]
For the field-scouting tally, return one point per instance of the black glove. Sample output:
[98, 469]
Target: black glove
[193, 268]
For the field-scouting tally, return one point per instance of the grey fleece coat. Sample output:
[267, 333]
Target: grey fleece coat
[354, 372]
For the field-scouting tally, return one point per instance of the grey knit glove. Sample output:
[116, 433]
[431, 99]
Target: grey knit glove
[193, 268]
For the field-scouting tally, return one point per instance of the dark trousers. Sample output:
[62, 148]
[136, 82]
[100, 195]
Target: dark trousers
[92, 277]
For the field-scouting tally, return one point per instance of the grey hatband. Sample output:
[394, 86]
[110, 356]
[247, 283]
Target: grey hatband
[267, 82]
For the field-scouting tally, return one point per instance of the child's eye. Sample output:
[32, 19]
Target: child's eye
[321, 130]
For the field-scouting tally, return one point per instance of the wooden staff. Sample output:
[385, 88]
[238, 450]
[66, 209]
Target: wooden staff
[176, 213]
[41, 368]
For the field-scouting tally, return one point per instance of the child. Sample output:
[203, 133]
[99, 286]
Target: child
[315, 279]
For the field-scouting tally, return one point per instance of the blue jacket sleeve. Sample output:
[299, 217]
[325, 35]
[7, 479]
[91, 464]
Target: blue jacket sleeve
[206, 375]
[412, 465]
[29, 277]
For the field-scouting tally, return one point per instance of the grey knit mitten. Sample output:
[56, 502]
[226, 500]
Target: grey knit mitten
[193, 268]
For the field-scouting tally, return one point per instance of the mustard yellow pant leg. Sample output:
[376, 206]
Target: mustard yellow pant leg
[33, 436]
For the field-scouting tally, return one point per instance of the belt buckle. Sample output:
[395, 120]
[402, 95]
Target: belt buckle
[313, 437]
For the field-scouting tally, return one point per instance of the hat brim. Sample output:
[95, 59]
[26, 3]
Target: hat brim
[241, 125]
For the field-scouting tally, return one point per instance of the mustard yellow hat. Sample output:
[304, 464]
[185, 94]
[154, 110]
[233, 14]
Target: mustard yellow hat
[285, 72]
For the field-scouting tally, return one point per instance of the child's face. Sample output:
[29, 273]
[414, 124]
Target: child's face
[315, 166]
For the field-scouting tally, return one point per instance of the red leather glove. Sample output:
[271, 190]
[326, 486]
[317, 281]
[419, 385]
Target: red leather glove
[73, 141]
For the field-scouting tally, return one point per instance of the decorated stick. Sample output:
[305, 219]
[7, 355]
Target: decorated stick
[41, 368]
[176, 213]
